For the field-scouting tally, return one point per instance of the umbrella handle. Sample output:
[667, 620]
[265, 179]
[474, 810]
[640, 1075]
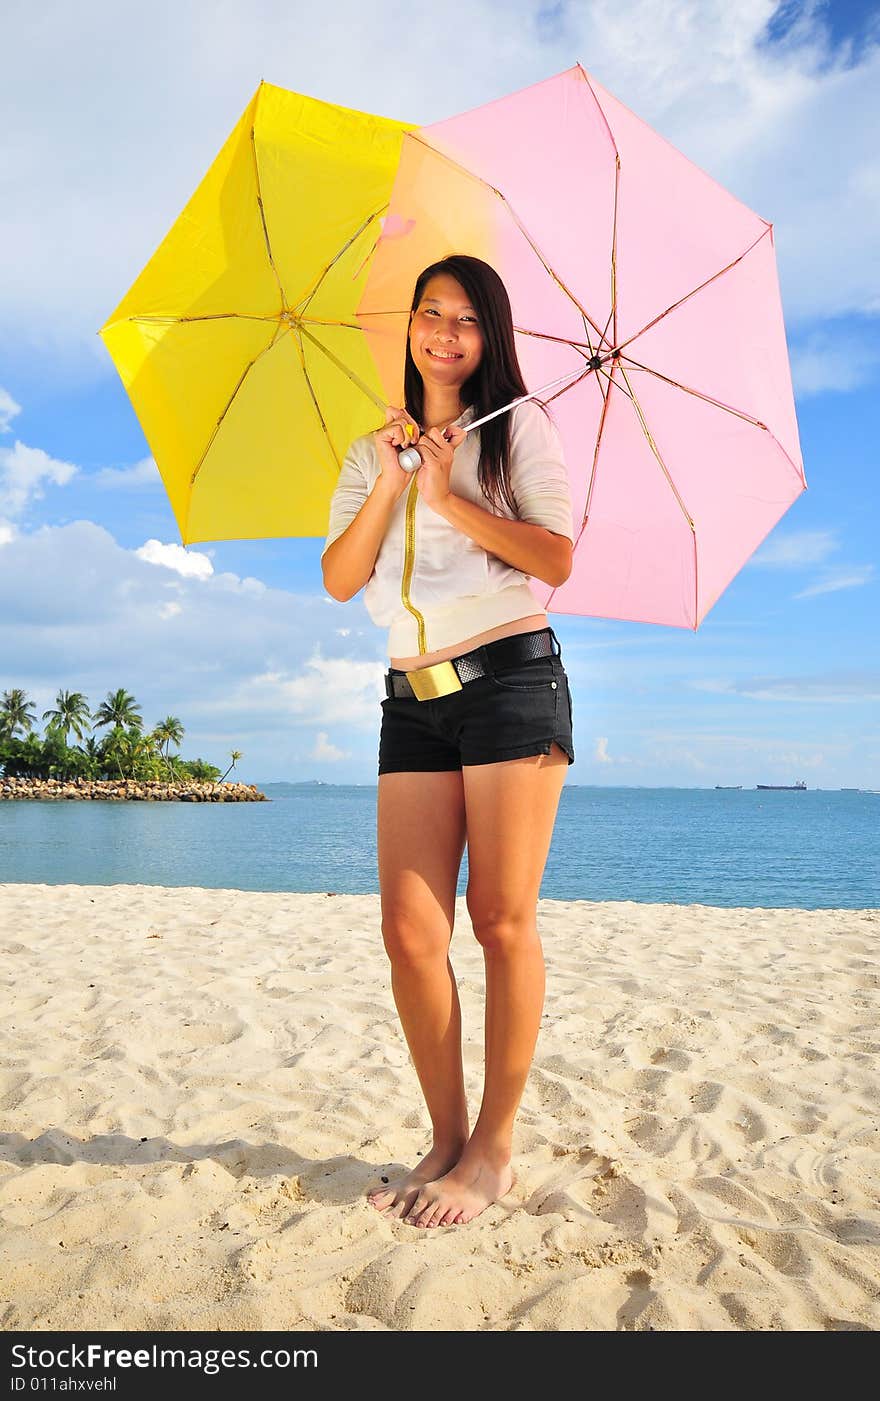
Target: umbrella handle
[410, 458]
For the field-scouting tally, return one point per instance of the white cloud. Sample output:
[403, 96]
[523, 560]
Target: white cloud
[795, 550]
[680, 758]
[190, 563]
[8, 410]
[332, 689]
[802, 548]
[24, 471]
[726, 756]
[842, 577]
[600, 753]
[789, 128]
[830, 361]
[242, 663]
[325, 752]
[844, 688]
[7, 532]
[141, 474]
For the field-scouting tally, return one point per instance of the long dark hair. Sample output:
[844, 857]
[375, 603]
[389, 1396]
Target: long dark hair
[496, 380]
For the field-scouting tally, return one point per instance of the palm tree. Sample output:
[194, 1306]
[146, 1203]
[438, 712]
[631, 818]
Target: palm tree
[114, 748]
[71, 713]
[118, 709]
[169, 731]
[14, 713]
[92, 757]
[235, 755]
[202, 771]
[139, 753]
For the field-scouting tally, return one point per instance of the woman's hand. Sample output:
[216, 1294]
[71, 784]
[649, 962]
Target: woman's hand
[388, 439]
[437, 447]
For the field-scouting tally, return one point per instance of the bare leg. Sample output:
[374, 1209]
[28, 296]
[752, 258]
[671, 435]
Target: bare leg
[421, 835]
[511, 810]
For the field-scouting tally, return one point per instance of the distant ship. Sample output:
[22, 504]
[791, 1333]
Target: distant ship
[783, 787]
[728, 787]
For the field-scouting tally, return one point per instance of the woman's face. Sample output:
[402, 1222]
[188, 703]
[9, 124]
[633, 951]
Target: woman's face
[445, 338]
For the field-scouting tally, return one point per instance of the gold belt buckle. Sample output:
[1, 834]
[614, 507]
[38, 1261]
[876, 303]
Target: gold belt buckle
[428, 682]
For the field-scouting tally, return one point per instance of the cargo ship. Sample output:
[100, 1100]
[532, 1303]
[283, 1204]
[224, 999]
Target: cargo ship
[728, 787]
[800, 786]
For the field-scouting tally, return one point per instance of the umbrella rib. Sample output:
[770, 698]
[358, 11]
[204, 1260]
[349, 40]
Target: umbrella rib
[619, 387]
[301, 305]
[600, 109]
[540, 255]
[253, 316]
[329, 321]
[207, 316]
[355, 379]
[560, 340]
[441, 155]
[307, 378]
[245, 372]
[602, 419]
[699, 394]
[739, 413]
[600, 373]
[263, 216]
[694, 290]
[602, 390]
[580, 346]
[613, 312]
[656, 452]
[594, 465]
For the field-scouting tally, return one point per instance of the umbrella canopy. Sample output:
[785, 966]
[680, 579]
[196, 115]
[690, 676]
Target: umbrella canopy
[238, 345]
[635, 272]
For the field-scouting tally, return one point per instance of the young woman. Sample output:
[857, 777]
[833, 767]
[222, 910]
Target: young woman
[475, 737]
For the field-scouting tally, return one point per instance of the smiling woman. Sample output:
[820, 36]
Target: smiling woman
[449, 566]
[446, 329]
[475, 737]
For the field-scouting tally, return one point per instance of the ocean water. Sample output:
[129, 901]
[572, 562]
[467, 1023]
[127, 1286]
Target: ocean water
[818, 849]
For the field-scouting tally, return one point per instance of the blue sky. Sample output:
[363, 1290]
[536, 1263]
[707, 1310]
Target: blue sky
[104, 145]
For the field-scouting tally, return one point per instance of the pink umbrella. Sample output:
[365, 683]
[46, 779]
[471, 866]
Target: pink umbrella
[654, 293]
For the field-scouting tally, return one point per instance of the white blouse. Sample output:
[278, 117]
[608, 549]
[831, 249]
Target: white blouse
[456, 589]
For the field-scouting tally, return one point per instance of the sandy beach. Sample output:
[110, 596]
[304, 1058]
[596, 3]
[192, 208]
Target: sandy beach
[199, 1086]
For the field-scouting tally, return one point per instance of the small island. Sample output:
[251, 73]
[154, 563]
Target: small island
[126, 762]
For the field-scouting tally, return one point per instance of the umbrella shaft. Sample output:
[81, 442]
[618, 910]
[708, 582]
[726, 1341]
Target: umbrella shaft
[524, 397]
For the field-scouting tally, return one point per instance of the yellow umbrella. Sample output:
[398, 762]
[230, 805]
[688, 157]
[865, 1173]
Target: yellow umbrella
[238, 344]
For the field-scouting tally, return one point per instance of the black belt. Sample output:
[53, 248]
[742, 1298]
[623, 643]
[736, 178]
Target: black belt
[441, 679]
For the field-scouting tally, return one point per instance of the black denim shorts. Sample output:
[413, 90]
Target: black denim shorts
[509, 714]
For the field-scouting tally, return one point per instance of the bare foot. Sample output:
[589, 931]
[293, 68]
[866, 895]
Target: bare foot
[397, 1198]
[461, 1194]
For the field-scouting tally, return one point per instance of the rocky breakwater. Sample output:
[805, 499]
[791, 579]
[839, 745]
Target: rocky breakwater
[116, 790]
